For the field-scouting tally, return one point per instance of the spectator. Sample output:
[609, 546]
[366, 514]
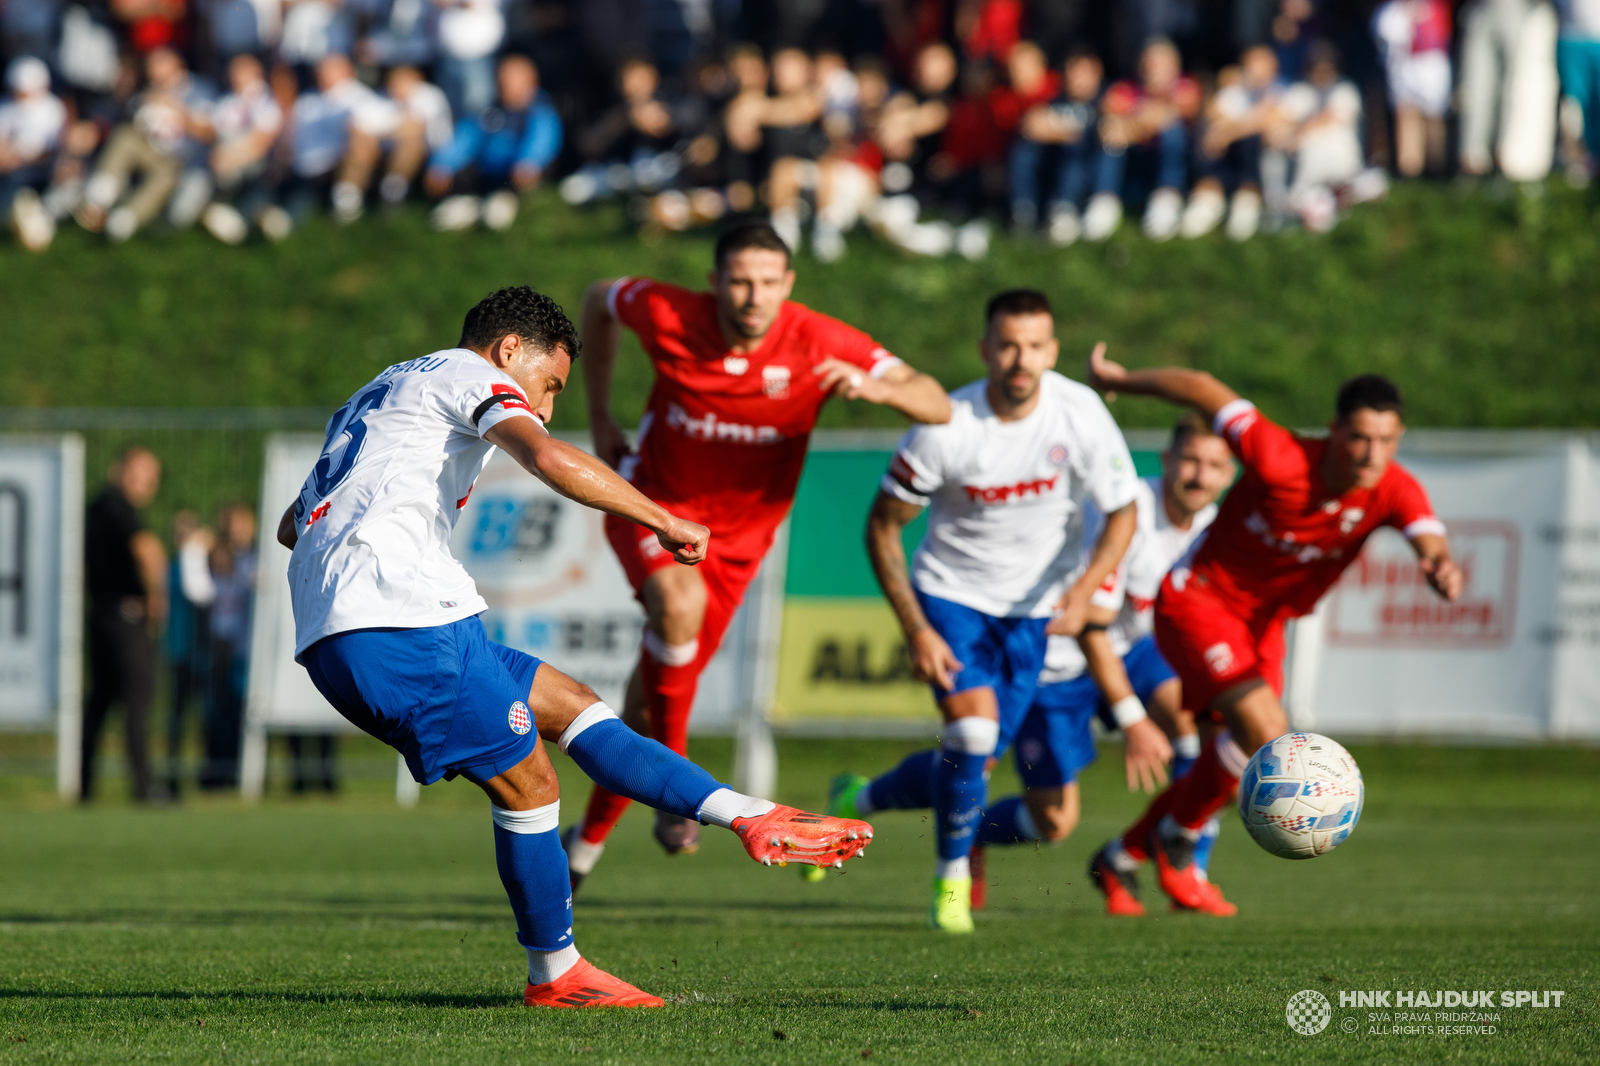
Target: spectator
[498, 154]
[319, 141]
[190, 592]
[698, 196]
[1145, 124]
[470, 33]
[1506, 61]
[125, 568]
[31, 124]
[169, 121]
[233, 572]
[418, 124]
[238, 27]
[152, 24]
[630, 145]
[1414, 36]
[741, 122]
[312, 31]
[29, 27]
[914, 121]
[1055, 148]
[849, 172]
[246, 122]
[791, 137]
[1321, 126]
[400, 36]
[1230, 149]
[1578, 56]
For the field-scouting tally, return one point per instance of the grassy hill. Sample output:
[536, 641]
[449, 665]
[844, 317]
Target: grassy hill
[1486, 308]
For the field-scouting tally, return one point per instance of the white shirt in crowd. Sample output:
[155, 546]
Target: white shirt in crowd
[1157, 547]
[1006, 499]
[323, 120]
[376, 514]
[32, 125]
[427, 104]
[1331, 153]
[239, 115]
[471, 29]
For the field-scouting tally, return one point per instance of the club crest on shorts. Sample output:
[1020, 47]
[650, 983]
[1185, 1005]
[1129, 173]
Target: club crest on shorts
[518, 719]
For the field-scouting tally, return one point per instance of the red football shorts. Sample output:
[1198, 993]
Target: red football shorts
[726, 579]
[1211, 645]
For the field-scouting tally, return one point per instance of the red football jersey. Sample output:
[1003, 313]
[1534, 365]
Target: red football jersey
[724, 436]
[1282, 538]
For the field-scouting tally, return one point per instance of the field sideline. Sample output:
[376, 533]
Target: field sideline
[347, 931]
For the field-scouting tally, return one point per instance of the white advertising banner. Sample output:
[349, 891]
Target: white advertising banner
[1515, 656]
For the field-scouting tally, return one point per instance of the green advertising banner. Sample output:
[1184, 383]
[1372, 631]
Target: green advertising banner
[841, 655]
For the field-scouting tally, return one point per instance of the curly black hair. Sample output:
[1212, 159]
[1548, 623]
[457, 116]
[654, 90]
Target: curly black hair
[531, 315]
[1372, 391]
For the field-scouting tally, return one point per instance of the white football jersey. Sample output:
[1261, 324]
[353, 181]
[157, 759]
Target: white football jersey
[1006, 499]
[375, 516]
[1157, 547]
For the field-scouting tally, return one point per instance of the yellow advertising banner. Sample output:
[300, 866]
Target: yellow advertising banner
[844, 657]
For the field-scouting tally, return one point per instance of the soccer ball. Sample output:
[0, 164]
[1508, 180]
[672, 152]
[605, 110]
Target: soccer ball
[1300, 795]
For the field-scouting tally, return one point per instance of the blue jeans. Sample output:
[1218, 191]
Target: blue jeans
[1579, 65]
[1239, 165]
[34, 176]
[1030, 172]
[1166, 154]
[467, 83]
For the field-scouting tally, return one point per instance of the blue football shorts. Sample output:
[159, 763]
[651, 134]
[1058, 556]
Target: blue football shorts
[1003, 654]
[447, 698]
[1054, 742]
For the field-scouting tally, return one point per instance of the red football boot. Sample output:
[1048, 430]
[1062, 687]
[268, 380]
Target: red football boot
[980, 877]
[784, 835]
[1176, 871]
[586, 985]
[1119, 888]
[1214, 903]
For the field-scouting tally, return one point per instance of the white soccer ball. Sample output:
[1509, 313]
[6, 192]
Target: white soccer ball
[1300, 795]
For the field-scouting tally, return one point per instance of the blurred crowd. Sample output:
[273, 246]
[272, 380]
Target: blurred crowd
[930, 121]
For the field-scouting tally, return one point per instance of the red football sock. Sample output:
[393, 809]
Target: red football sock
[1203, 790]
[669, 693]
[1133, 841]
[602, 815]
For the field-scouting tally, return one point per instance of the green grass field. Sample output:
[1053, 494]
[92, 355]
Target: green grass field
[347, 931]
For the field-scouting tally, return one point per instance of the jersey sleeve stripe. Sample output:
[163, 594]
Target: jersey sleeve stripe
[613, 292]
[1232, 420]
[882, 363]
[502, 394]
[1422, 527]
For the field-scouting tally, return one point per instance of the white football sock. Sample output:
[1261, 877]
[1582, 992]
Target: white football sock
[953, 869]
[546, 966]
[582, 855]
[1119, 858]
[1170, 828]
[724, 805]
[1186, 745]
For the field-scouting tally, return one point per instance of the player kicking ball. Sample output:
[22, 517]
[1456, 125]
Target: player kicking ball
[1006, 483]
[1296, 518]
[741, 376]
[1114, 669]
[386, 624]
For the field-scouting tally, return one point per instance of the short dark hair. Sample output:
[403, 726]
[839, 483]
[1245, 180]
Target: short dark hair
[531, 315]
[1016, 302]
[1372, 392]
[1189, 424]
[749, 233]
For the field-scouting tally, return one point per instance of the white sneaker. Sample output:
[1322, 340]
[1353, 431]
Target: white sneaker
[1162, 214]
[393, 188]
[456, 213]
[578, 188]
[1103, 217]
[347, 203]
[1317, 207]
[225, 223]
[1244, 216]
[35, 228]
[786, 220]
[933, 239]
[500, 210]
[1203, 214]
[121, 224]
[276, 223]
[1065, 226]
[1369, 186]
[972, 240]
[827, 243]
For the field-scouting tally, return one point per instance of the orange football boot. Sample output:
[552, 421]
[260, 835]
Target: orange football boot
[784, 835]
[586, 985]
[1118, 887]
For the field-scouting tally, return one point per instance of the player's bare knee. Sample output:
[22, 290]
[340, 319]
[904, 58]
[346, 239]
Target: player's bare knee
[675, 605]
[556, 699]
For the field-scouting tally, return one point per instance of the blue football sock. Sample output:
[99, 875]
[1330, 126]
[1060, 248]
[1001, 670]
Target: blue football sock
[617, 758]
[958, 794]
[908, 787]
[1207, 842]
[1007, 822]
[527, 849]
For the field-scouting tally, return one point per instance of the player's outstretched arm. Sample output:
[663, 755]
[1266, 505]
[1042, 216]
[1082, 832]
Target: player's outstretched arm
[1115, 537]
[1437, 565]
[1175, 384]
[584, 479]
[600, 334]
[914, 394]
[931, 657]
